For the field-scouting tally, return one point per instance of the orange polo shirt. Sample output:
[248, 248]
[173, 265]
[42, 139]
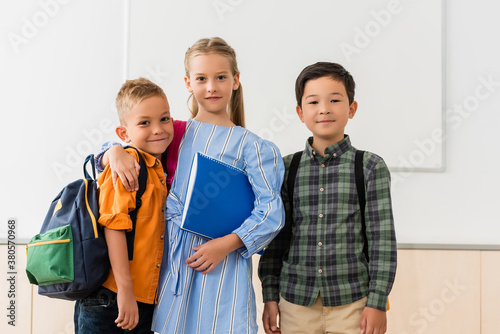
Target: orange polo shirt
[114, 206]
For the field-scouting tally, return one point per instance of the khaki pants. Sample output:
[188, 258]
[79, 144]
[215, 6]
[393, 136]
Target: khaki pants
[316, 319]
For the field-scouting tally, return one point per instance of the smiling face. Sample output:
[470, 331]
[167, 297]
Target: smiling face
[325, 110]
[212, 82]
[148, 126]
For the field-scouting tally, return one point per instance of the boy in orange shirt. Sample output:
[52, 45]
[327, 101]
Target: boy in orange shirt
[126, 300]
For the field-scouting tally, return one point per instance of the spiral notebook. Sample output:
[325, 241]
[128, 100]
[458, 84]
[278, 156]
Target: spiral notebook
[219, 198]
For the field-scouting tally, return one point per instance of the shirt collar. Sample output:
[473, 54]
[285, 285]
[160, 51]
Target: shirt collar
[149, 160]
[335, 150]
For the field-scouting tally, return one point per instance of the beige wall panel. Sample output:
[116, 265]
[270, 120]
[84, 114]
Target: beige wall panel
[436, 292]
[490, 292]
[52, 316]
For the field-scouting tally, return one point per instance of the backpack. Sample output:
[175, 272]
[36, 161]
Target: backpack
[68, 259]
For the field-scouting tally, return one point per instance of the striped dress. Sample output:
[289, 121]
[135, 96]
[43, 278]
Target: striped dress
[223, 300]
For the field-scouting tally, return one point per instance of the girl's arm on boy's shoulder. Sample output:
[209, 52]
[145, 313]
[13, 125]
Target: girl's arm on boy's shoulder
[128, 312]
[122, 165]
[100, 165]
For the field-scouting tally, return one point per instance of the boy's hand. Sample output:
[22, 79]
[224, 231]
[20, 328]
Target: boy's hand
[208, 255]
[122, 166]
[373, 321]
[128, 312]
[269, 317]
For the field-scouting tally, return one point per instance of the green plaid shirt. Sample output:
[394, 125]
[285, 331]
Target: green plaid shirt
[320, 250]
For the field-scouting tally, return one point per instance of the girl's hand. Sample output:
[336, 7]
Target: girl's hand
[128, 311]
[208, 255]
[122, 166]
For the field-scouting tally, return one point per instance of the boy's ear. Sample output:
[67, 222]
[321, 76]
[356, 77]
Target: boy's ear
[188, 84]
[300, 113]
[122, 133]
[352, 109]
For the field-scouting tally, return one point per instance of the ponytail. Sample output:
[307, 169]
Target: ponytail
[194, 105]
[237, 109]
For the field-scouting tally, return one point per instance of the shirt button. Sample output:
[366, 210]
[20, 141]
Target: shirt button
[323, 165]
[156, 163]
[321, 189]
[161, 237]
[158, 266]
[334, 155]
[314, 152]
[320, 271]
[320, 215]
[320, 244]
[162, 181]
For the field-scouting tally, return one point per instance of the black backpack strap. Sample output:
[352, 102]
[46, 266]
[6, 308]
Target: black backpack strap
[360, 187]
[285, 235]
[143, 177]
[292, 174]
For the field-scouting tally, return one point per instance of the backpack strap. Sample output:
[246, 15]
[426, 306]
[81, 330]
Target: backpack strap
[143, 177]
[170, 156]
[292, 174]
[360, 187]
[285, 235]
[90, 158]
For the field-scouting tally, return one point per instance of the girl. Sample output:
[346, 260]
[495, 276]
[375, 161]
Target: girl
[206, 285]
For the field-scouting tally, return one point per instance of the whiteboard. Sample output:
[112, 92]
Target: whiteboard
[392, 48]
[60, 83]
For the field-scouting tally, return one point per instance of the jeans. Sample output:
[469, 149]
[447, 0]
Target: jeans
[97, 314]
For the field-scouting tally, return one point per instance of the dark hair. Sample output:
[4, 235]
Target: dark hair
[320, 70]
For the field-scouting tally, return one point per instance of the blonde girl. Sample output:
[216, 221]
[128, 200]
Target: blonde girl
[206, 285]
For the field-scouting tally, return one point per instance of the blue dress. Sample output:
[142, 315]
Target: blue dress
[223, 300]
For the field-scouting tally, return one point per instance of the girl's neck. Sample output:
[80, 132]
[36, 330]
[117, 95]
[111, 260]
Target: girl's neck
[214, 119]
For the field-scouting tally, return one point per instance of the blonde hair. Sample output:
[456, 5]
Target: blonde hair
[218, 46]
[133, 92]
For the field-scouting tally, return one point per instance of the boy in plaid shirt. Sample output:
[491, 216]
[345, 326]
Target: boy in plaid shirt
[316, 267]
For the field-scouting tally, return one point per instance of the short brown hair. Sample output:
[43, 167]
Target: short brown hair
[133, 92]
[320, 70]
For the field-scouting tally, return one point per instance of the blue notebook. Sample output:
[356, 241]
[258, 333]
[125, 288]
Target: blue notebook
[219, 198]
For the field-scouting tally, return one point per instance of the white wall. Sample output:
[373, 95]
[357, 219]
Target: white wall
[61, 67]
